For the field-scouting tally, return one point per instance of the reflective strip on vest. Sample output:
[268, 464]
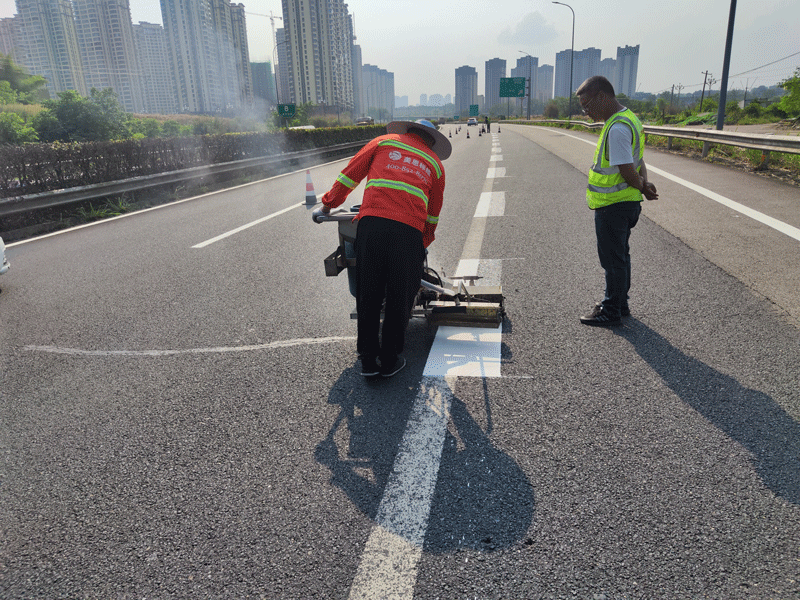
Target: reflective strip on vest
[606, 184]
[398, 185]
[346, 181]
[432, 220]
[416, 151]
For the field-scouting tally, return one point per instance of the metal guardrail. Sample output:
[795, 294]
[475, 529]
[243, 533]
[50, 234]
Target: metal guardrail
[765, 143]
[20, 204]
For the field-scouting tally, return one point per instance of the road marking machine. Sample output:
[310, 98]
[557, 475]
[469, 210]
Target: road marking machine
[440, 301]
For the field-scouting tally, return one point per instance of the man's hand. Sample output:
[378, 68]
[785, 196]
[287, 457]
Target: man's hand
[318, 213]
[649, 191]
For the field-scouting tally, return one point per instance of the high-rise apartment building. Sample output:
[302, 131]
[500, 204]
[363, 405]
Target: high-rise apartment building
[544, 88]
[562, 74]
[319, 53]
[158, 86]
[608, 69]
[48, 44]
[208, 62]
[108, 50]
[263, 85]
[495, 69]
[627, 68]
[9, 37]
[282, 71]
[241, 48]
[466, 89]
[585, 64]
[527, 67]
[358, 83]
[378, 97]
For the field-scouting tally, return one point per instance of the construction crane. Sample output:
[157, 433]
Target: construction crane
[272, 18]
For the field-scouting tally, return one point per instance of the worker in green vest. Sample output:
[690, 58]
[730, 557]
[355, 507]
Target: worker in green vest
[617, 183]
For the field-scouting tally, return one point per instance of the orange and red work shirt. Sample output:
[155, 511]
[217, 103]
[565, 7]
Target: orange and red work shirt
[405, 182]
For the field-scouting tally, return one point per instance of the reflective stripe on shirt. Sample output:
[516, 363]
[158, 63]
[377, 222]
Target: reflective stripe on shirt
[398, 185]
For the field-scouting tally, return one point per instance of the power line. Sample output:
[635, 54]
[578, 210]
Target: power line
[766, 65]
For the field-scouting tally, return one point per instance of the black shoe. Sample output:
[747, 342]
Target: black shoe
[394, 368]
[369, 367]
[599, 317]
[625, 311]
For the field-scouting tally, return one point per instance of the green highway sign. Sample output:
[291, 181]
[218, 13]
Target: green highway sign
[512, 87]
[286, 110]
[473, 110]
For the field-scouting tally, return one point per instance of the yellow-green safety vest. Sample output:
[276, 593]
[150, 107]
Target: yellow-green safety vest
[606, 184]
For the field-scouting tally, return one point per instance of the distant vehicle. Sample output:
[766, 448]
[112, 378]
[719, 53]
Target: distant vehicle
[472, 121]
[365, 121]
[3, 262]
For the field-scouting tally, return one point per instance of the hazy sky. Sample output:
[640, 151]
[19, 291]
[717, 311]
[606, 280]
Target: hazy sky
[423, 42]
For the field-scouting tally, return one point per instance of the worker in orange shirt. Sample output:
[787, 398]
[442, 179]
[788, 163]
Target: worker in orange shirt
[396, 222]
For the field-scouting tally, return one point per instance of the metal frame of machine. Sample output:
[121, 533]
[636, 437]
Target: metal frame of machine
[440, 301]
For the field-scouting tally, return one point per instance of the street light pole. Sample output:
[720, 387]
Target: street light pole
[571, 58]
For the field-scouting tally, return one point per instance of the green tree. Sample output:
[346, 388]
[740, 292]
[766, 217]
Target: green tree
[790, 103]
[171, 129]
[73, 118]
[30, 89]
[14, 130]
[7, 94]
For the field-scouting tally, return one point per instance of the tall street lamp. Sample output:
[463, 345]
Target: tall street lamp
[571, 57]
[530, 81]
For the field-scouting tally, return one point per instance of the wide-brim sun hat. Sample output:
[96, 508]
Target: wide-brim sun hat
[441, 145]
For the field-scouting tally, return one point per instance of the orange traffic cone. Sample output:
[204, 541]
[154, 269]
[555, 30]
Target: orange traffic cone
[311, 195]
[467, 133]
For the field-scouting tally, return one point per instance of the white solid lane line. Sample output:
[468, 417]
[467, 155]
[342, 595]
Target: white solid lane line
[227, 234]
[212, 350]
[388, 567]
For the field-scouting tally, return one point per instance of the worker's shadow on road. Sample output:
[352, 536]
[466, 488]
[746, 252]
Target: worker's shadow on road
[749, 417]
[482, 500]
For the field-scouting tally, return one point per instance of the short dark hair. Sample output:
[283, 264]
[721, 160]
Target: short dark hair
[595, 84]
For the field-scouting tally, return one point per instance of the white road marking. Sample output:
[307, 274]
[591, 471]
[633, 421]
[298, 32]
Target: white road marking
[491, 204]
[388, 567]
[465, 352]
[785, 228]
[227, 234]
[215, 350]
[496, 172]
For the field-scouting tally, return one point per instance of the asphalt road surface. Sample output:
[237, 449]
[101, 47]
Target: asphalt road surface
[182, 415]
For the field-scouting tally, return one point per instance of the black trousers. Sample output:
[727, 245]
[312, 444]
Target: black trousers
[613, 226]
[389, 261]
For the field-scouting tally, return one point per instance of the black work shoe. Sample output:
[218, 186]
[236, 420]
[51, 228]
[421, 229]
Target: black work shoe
[599, 317]
[398, 365]
[625, 311]
[369, 367]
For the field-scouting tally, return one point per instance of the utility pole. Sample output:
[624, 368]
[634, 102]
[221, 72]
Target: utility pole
[671, 96]
[680, 86]
[723, 89]
[703, 93]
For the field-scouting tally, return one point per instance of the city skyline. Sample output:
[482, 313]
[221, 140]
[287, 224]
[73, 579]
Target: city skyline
[673, 49]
